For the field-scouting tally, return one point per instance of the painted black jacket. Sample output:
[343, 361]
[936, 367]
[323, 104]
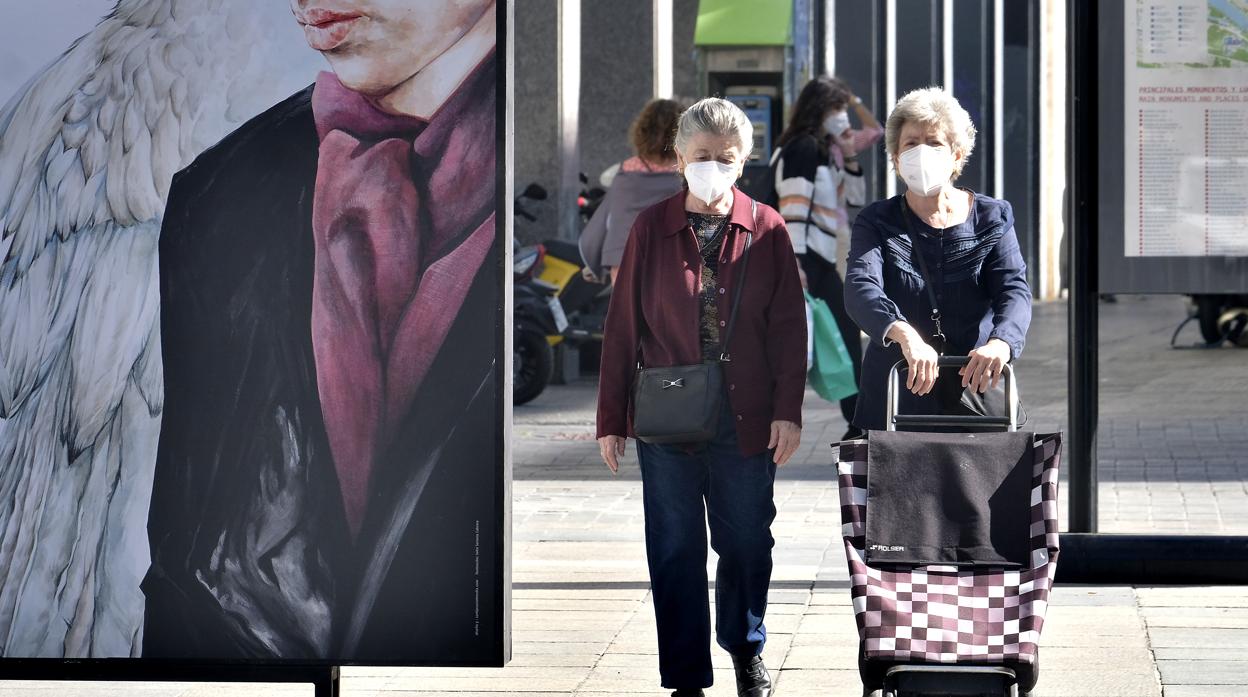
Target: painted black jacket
[251, 554]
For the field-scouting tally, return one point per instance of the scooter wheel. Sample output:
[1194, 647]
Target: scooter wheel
[533, 362]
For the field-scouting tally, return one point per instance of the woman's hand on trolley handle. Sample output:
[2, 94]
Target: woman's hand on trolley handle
[986, 365]
[921, 358]
[612, 449]
[786, 436]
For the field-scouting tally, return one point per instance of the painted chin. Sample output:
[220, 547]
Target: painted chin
[331, 32]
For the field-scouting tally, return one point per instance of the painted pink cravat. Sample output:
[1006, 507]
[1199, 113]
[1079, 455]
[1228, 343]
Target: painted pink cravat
[397, 248]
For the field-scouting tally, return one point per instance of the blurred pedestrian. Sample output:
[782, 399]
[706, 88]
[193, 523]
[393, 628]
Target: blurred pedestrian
[673, 305]
[817, 174]
[936, 269]
[640, 182]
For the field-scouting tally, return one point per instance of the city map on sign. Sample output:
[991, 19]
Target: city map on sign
[1186, 159]
[1193, 34]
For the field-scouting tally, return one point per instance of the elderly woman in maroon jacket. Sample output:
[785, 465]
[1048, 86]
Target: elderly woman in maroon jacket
[672, 298]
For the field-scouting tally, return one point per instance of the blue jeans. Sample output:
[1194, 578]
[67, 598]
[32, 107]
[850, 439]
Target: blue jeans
[679, 489]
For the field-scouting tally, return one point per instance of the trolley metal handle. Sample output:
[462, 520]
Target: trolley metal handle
[891, 417]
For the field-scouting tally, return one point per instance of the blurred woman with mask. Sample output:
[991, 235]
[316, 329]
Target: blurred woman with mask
[816, 174]
[684, 262]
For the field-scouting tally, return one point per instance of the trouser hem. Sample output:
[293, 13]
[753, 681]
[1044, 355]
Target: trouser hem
[689, 682]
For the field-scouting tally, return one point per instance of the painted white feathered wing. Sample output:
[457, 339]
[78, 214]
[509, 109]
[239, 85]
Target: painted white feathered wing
[87, 152]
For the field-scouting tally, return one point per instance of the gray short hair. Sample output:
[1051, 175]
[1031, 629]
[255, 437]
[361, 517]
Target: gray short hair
[718, 117]
[932, 106]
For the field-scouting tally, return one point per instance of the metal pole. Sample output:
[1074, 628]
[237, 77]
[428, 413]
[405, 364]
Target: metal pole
[998, 102]
[1081, 176]
[569, 98]
[946, 45]
[662, 25]
[890, 76]
[328, 683]
[826, 38]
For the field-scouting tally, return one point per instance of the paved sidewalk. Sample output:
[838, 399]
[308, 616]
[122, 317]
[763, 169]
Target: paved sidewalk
[1174, 452]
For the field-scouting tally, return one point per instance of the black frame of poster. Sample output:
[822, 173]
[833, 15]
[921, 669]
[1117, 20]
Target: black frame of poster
[325, 674]
[1089, 556]
[1119, 273]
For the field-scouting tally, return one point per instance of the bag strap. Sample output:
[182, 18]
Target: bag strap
[923, 270]
[736, 295]
[810, 209]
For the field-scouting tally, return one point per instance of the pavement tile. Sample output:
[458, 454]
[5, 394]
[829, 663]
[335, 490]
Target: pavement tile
[1175, 637]
[1204, 691]
[798, 683]
[1183, 672]
[1197, 617]
[56, 688]
[1198, 653]
[514, 691]
[1124, 681]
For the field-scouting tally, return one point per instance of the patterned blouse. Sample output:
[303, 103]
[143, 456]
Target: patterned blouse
[710, 231]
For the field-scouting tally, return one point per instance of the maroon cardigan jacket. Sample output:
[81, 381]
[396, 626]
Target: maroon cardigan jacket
[655, 306]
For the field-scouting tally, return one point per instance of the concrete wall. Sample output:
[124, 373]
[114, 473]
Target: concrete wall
[536, 111]
[684, 20]
[617, 64]
[616, 81]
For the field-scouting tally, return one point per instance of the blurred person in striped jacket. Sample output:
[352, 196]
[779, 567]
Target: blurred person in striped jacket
[816, 174]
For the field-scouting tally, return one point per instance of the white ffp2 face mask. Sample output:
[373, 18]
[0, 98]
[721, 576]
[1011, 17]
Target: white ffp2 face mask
[710, 180]
[836, 123]
[925, 169]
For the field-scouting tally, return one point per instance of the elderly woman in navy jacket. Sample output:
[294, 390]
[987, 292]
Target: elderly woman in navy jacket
[972, 256]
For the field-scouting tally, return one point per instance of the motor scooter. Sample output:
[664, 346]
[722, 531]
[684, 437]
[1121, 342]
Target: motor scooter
[537, 312]
[1221, 318]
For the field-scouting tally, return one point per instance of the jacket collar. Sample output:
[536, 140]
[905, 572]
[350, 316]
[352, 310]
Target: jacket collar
[675, 220]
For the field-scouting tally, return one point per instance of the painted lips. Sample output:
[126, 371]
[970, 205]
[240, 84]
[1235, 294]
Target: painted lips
[325, 29]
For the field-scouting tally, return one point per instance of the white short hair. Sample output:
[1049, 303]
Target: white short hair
[717, 117]
[932, 106]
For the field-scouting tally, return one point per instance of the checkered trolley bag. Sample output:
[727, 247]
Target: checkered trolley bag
[950, 615]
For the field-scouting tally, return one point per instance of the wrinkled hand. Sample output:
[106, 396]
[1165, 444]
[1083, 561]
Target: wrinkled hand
[921, 360]
[987, 362]
[786, 436]
[612, 449]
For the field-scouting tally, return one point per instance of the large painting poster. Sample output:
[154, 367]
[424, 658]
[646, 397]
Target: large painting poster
[251, 284]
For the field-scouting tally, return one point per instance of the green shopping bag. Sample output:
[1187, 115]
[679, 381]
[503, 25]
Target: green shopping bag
[832, 374]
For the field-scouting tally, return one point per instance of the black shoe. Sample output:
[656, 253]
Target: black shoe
[689, 692]
[753, 680]
[854, 433]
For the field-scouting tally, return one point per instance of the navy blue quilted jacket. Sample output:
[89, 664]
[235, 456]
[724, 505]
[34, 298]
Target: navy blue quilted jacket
[981, 288]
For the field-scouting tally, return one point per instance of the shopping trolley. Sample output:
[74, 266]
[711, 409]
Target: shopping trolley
[940, 629]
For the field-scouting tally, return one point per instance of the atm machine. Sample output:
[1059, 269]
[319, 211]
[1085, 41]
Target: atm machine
[753, 79]
[745, 54]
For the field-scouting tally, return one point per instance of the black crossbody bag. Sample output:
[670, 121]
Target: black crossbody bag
[681, 403]
[953, 398]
